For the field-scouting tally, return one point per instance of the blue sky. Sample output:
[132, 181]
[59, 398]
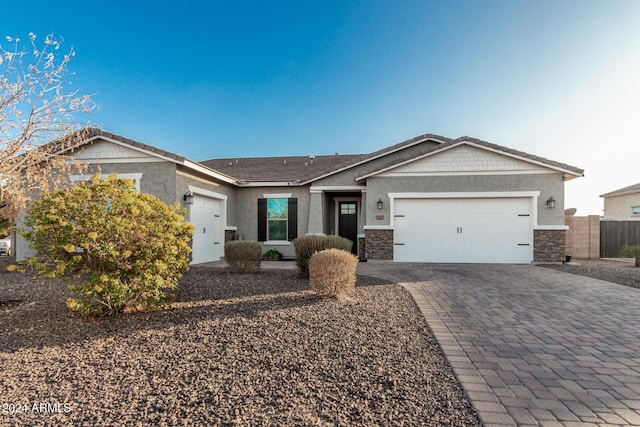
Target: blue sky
[205, 79]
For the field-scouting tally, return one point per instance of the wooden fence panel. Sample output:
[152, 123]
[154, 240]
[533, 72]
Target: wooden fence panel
[616, 234]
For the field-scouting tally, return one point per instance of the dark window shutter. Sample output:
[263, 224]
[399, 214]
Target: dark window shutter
[262, 220]
[293, 219]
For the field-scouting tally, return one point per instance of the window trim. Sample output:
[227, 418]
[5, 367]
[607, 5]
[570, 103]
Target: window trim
[263, 221]
[635, 210]
[285, 220]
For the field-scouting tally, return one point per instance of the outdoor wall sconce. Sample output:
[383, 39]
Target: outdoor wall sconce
[551, 202]
[380, 204]
[188, 197]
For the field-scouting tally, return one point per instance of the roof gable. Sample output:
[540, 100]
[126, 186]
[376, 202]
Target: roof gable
[108, 151]
[471, 156]
[94, 143]
[464, 158]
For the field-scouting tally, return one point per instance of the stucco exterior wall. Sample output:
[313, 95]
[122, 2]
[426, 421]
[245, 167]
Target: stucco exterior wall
[186, 178]
[619, 207]
[349, 176]
[158, 178]
[547, 184]
[246, 204]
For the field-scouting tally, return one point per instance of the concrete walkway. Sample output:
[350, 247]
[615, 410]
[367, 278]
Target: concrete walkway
[532, 346]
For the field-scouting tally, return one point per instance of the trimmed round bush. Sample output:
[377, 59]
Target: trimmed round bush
[118, 249]
[243, 256]
[332, 273]
[306, 246]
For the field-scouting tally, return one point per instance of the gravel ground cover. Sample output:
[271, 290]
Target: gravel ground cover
[621, 272]
[230, 350]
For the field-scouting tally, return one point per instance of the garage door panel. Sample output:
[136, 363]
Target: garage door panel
[463, 230]
[205, 216]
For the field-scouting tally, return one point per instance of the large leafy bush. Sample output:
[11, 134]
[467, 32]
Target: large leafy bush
[117, 248]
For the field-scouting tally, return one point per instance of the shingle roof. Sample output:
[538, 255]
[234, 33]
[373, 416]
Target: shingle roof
[93, 132]
[277, 169]
[304, 169]
[274, 169]
[622, 191]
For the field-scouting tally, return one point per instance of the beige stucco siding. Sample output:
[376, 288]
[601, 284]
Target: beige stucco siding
[246, 204]
[619, 207]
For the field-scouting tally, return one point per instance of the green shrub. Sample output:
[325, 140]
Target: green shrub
[243, 256]
[633, 252]
[306, 246]
[332, 273]
[337, 242]
[118, 249]
[273, 255]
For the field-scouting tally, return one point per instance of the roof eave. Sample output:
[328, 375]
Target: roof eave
[419, 140]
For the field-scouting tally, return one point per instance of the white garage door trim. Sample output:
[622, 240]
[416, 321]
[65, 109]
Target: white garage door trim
[222, 214]
[468, 201]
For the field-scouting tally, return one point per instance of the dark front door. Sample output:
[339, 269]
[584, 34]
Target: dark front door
[348, 223]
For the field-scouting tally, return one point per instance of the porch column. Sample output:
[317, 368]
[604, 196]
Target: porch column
[315, 213]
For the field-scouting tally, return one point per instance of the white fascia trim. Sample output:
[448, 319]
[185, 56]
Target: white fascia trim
[207, 193]
[209, 172]
[369, 159]
[276, 195]
[118, 160]
[322, 188]
[134, 176]
[467, 173]
[378, 227]
[464, 195]
[268, 184]
[230, 228]
[551, 227]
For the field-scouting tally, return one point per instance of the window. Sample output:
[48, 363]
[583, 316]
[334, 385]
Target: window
[277, 210]
[277, 219]
[347, 208]
[635, 210]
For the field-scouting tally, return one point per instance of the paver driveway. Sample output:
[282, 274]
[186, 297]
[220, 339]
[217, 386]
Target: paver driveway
[532, 346]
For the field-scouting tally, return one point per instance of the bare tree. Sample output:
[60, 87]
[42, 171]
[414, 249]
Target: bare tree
[38, 120]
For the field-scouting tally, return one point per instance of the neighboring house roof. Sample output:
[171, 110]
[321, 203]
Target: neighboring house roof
[623, 191]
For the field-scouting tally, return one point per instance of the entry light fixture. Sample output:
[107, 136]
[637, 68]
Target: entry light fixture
[551, 202]
[380, 204]
[188, 197]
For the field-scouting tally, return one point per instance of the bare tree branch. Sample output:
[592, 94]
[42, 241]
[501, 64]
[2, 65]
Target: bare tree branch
[38, 120]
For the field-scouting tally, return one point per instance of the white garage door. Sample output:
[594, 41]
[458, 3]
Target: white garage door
[205, 216]
[482, 230]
